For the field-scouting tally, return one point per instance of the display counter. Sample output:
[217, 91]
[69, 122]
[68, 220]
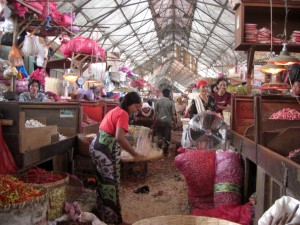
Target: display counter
[29, 150]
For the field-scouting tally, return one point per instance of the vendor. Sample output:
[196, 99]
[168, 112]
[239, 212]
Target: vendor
[296, 88]
[105, 153]
[222, 97]
[33, 95]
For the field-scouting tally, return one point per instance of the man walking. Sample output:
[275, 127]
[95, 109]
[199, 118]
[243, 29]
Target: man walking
[164, 120]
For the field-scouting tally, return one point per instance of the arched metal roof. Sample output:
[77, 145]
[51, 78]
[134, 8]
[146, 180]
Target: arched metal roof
[175, 40]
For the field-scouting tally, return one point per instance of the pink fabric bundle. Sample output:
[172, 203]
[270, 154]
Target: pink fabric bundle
[36, 5]
[228, 179]
[67, 18]
[19, 9]
[39, 75]
[198, 168]
[53, 12]
[84, 46]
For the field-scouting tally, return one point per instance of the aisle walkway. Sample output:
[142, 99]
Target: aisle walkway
[167, 192]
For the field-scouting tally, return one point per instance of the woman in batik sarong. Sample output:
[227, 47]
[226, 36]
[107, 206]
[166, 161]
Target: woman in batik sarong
[105, 154]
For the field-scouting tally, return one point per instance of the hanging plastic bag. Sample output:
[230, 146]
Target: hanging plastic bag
[7, 165]
[15, 56]
[42, 52]
[10, 72]
[22, 71]
[29, 46]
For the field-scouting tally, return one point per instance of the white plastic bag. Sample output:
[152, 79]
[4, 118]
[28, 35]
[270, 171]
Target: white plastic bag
[29, 47]
[281, 206]
[42, 52]
[185, 140]
[7, 25]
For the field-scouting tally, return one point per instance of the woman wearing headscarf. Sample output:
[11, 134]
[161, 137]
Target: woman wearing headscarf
[144, 116]
[203, 101]
[105, 154]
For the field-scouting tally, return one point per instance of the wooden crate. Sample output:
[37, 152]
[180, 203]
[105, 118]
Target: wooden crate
[33, 138]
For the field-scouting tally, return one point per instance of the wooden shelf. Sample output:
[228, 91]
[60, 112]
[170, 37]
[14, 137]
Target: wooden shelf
[266, 47]
[259, 13]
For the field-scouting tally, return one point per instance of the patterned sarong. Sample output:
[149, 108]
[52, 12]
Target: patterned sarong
[105, 155]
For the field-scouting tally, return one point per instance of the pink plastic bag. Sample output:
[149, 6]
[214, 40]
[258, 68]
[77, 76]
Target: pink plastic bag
[7, 165]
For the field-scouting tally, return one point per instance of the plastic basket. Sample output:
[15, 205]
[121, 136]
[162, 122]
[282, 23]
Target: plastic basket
[183, 220]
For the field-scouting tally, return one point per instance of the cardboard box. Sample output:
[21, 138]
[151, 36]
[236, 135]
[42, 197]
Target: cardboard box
[35, 137]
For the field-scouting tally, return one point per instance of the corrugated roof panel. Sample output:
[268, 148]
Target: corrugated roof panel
[145, 33]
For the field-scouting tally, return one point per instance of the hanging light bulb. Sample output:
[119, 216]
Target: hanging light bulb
[272, 68]
[284, 58]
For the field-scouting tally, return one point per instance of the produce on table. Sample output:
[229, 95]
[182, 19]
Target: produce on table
[286, 114]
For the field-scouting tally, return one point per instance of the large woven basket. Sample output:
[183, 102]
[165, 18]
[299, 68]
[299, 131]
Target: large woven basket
[183, 220]
[56, 194]
[57, 197]
[29, 212]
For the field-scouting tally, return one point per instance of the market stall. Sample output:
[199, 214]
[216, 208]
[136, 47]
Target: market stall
[257, 135]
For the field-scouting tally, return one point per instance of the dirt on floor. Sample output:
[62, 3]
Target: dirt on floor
[167, 192]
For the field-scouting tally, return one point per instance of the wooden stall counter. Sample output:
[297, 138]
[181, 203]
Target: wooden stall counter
[265, 145]
[31, 148]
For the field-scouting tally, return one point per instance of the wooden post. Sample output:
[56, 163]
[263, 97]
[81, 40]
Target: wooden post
[250, 57]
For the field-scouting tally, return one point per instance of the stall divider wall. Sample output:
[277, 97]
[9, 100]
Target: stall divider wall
[275, 174]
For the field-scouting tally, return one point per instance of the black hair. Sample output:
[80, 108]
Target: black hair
[221, 79]
[150, 103]
[31, 81]
[212, 87]
[166, 93]
[120, 100]
[129, 99]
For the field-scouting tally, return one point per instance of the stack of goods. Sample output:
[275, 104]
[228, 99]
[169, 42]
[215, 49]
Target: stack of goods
[214, 181]
[21, 203]
[277, 41]
[251, 33]
[295, 37]
[229, 178]
[34, 123]
[264, 35]
[198, 169]
[286, 114]
[55, 183]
